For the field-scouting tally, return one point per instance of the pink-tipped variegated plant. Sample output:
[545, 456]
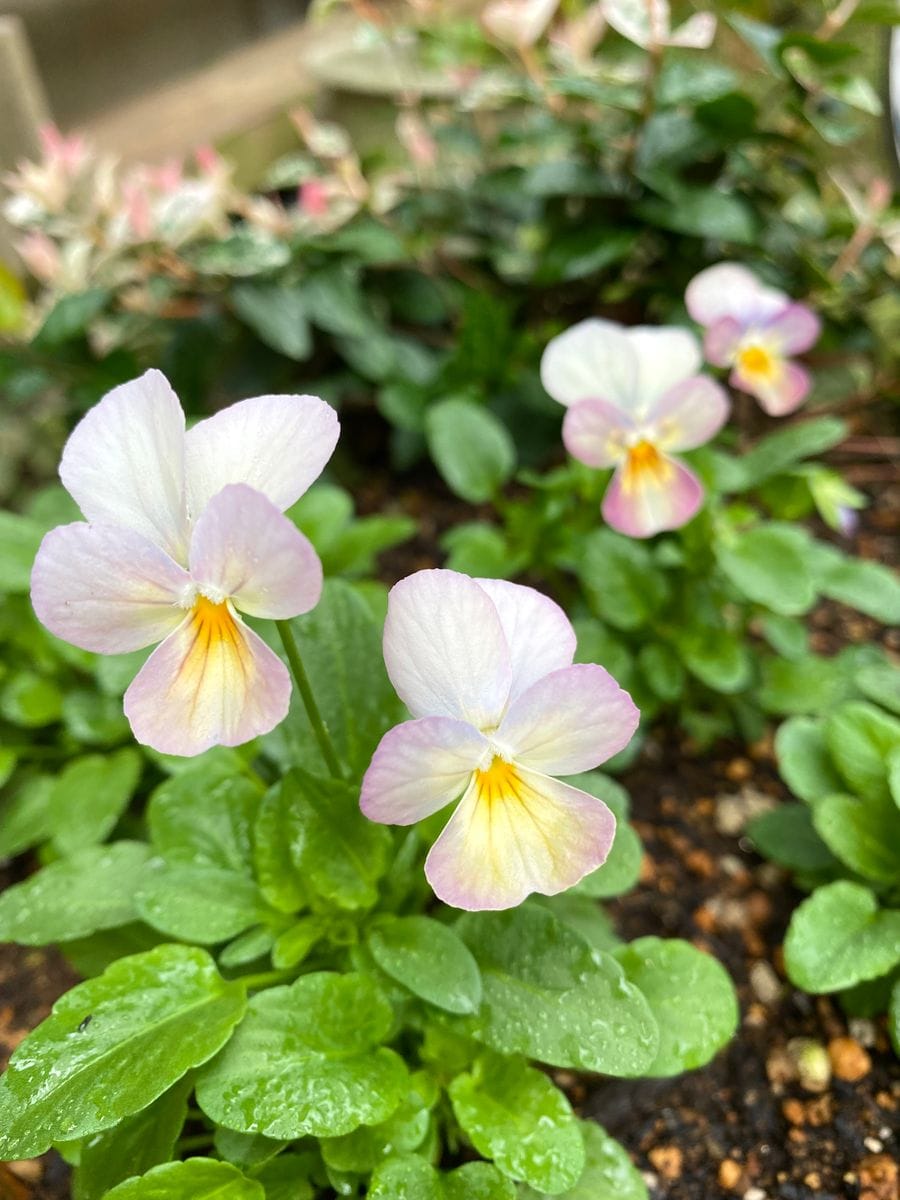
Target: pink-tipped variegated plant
[183, 531]
[634, 399]
[485, 668]
[755, 330]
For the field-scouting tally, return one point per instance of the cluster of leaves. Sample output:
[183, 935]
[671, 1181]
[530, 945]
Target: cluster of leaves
[265, 987]
[841, 839]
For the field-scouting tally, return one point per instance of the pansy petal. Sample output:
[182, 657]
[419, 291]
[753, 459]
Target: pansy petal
[594, 360]
[525, 834]
[538, 633]
[794, 330]
[722, 340]
[596, 432]
[445, 650]
[212, 682]
[124, 462]
[690, 414]
[779, 395]
[571, 720]
[276, 444]
[419, 767]
[106, 589]
[244, 548]
[640, 503]
[665, 356]
[731, 290]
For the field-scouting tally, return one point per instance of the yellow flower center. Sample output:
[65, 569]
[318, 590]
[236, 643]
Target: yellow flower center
[644, 459]
[756, 360]
[499, 782]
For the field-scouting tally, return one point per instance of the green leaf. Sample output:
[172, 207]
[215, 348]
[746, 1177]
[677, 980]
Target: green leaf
[30, 700]
[860, 738]
[516, 1116]
[702, 212]
[608, 1172]
[304, 1061]
[193, 1179]
[839, 937]
[405, 1177]
[112, 1045]
[472, 449]
[277, 877]
[337, 851]
[245, 1150]
[198, 904]
[480, 550]
[622, 585]
[579, 253]
[622, 868]
[881, 683]
[134, 1145]
[691, 997]
[277, 315]
[717, 657]
[869, 587]
[71, 317]
[429, 959]
[295, 943]
[403, 1132]
[803, 759]
[786, 447]
[769, 566]
[287, 1177]
[787, 636]
[19, 540]
[546, 994]
[204, 816]
[787, 836]
[335, 302]
[477, 1181]
[863, 834]
[894, 1017]
[25, 815]
[689, 78]
[244, 253]
[92, 889]
[340, 643]
[90, 795]
[661, 670]
[808, 685]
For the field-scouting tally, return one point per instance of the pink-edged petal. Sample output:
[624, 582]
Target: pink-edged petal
[106, 589]
[794, 330]
[516, 835]
[445, 650]
[665, 356]
[730, 290]
[571, 720]
[642, 502]
[690, 414]
[419, 767]
[597, 432]
[696, 33]
[538, 633]
[779, 395]
[276, 444]
[124, 462]
[594, 360]
[722, 340]
[212, 682]
[244, 548]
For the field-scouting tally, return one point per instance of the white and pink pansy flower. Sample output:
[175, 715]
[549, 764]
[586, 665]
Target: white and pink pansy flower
[183, 531]
[634, 398]
[755, 330]
[485, 668]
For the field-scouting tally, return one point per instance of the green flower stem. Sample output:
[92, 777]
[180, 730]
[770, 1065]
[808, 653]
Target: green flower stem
[264, 979]
[309, 701]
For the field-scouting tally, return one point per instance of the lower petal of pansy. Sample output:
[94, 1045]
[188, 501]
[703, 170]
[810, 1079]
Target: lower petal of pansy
[419, 767]
[106, 589]
[516, 832]
[211, 682]
[779, 391]
[651, 492]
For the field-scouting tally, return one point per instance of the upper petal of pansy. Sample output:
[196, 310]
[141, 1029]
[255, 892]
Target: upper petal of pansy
[124, 462]
[781, 393]
[665, 356]
[538, 633]
[212, 682]
[106, 589]
[597, 432]
[794, 329]
[516, 832]
[276, 444]
[419, 767]
[594, 360]
[730, 290]
[445, 650]
[651, 496]
[571, 720]
[244, 548]
[690, 414]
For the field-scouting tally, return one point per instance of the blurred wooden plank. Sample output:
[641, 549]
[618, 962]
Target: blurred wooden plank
[23, 108]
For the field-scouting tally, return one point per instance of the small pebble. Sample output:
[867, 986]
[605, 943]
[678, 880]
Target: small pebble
[873, 1145]
[667, 1160]
[754, 1193]
[765, 982]
[849, 1060]
[812, 1062]
[864, 1031]
[730, 1174]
